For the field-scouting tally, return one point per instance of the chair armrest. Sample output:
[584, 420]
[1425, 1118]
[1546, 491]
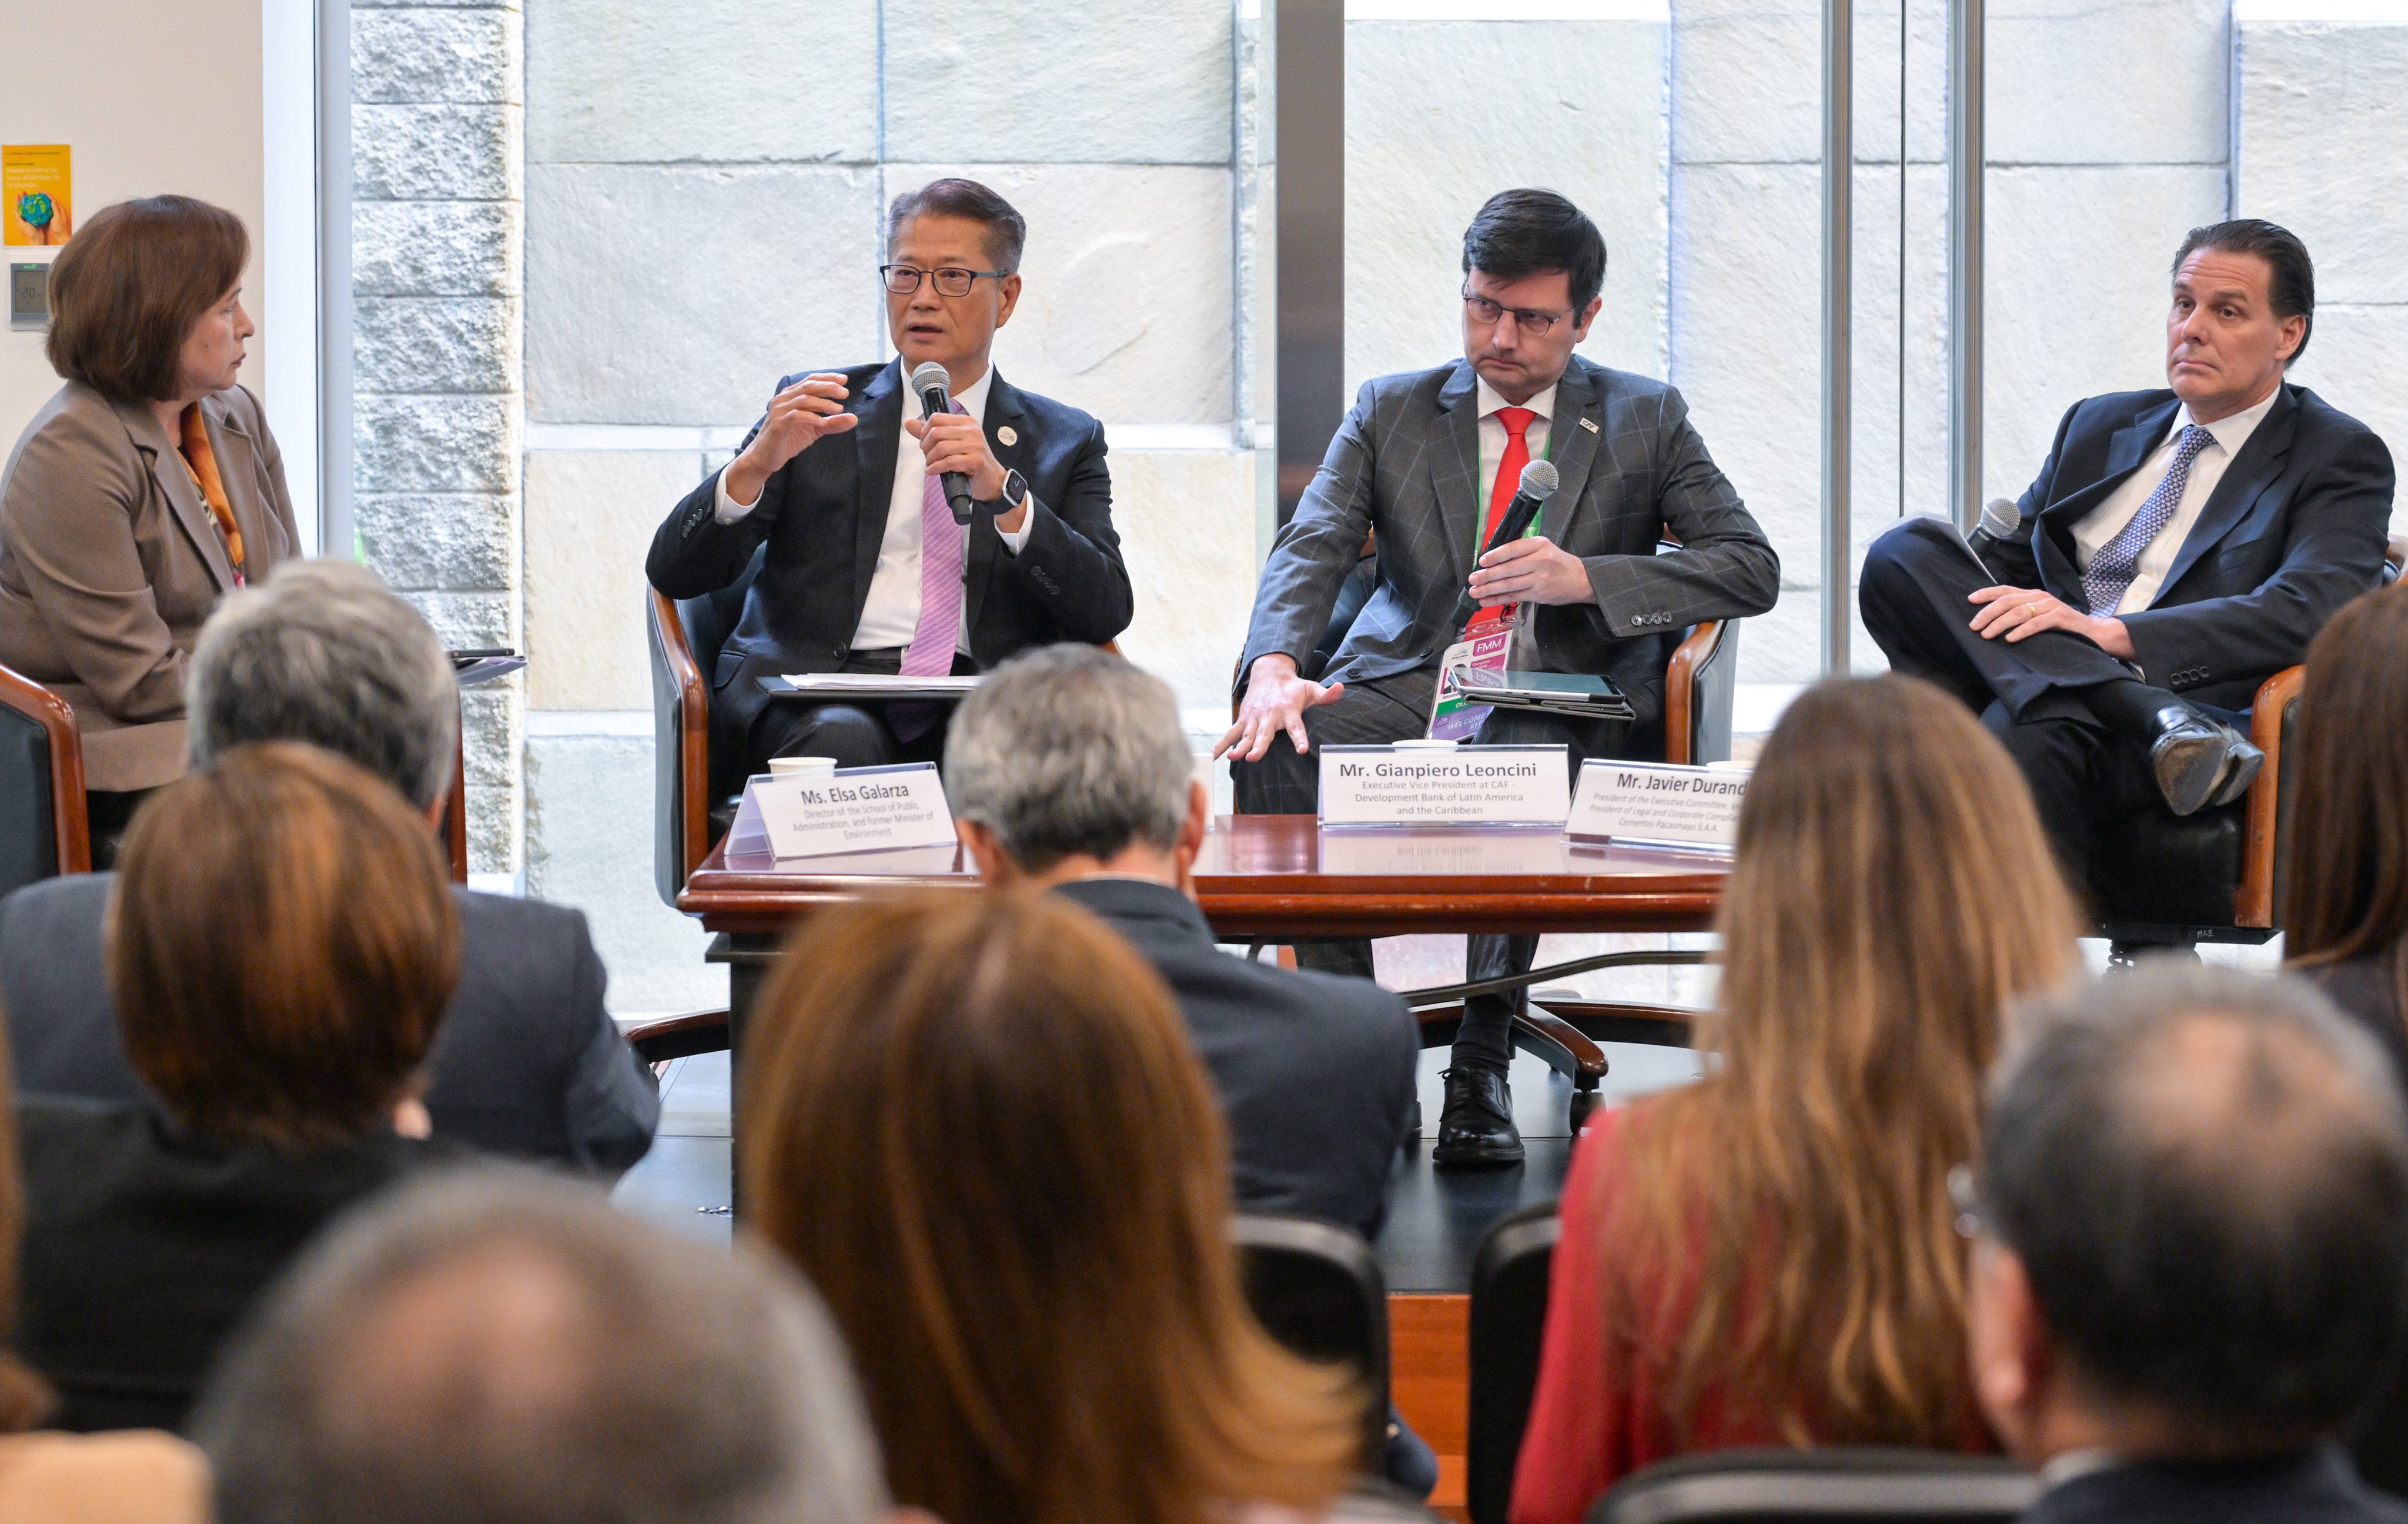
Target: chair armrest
[2254, 905]
[1680, 688]
[694, 728]
[455, 808]
[679, 1036]
[70, 827]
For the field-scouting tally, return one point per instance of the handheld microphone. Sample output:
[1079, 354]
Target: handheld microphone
[2001, 519]
[1539, 480]
[935, 388]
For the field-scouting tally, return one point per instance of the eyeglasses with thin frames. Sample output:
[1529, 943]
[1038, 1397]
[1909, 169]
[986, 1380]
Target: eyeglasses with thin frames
[951, 280]
[1485, 312]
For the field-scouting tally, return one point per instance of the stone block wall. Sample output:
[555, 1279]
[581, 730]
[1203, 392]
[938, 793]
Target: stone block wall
[438, 193]
[2324, 131]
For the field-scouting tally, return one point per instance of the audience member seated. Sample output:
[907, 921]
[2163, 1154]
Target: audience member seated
[2345, 896]
[1768, 1256]
[1070, 769]
[2192, 1232]
[528, 1062]
[976, 1123]
[498, 1349]
[2179, 547]
[145, 489]
[130, 1478]
[281, 944]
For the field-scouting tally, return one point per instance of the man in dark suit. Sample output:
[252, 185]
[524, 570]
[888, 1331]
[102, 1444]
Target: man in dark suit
[2178, 548]
[2190, 1237]
[1429, 461]
[863, 568]
[526, 1062]
[1069, 769]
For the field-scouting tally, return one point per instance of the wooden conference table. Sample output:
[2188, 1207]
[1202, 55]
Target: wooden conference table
[1265, 878]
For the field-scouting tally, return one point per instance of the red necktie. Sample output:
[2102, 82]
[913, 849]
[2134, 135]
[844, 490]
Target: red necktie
[1517, 423]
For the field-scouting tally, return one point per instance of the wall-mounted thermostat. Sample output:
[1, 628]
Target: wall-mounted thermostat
[29, 296]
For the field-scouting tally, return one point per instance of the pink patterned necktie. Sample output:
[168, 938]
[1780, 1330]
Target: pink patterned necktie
[931, 652]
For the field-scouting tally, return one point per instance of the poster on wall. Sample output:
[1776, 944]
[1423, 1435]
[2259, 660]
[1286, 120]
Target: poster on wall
[35, 203]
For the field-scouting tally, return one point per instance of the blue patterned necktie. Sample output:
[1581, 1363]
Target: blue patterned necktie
[2113, 565]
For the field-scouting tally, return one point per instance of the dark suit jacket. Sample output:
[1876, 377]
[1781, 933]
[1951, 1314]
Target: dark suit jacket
[1316, 1073]
[824, 512]
[2293, 531]
[2366, 991]
[2315, 1489]
[525, 1063]
[1406, 464]
[146, 1246]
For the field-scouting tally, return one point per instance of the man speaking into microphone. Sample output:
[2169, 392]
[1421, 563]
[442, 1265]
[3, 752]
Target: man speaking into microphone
[900, 539]
[1429, 462]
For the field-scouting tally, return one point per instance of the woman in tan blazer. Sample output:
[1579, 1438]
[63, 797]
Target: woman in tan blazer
[143, 491]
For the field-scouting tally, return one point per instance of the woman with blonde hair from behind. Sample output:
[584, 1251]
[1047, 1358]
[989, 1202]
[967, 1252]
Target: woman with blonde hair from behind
[976, 1123]
[1768, 1256]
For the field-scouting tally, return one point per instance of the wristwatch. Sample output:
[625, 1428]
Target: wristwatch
[1015, 492]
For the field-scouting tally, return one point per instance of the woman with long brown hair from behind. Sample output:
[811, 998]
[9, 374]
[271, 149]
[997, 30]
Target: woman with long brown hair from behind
[975, 1122]
[1768, 1256]
[2346, 898]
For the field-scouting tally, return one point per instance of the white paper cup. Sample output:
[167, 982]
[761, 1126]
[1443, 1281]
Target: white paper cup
[801, 767]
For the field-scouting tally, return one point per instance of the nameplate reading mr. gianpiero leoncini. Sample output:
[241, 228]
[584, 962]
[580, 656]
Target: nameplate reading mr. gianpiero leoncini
[1444, 785]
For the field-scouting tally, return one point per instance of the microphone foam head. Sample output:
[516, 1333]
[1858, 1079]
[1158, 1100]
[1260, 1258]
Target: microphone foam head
[1539, 480]
[928, 373]
[2002, 516]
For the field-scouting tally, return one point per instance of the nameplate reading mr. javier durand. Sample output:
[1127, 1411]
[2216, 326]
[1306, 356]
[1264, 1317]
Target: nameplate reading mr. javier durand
[860, 809]
[1656, 803]
[1444, 785]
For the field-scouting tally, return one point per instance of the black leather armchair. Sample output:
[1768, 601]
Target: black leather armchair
[1839, 1485]
[43, 829]
[1510, 1275]
[1317, 1290]
[2217, 876]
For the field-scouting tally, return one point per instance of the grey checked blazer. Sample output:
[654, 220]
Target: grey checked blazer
[1406, 464]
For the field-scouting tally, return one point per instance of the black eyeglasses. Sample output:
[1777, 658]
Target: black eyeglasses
[1532, 324]
[951, 281]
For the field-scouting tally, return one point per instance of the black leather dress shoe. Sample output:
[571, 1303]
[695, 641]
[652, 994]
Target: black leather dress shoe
[1477, 1129]
[2199, 761]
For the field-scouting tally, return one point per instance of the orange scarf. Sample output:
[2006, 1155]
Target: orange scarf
[202, 463]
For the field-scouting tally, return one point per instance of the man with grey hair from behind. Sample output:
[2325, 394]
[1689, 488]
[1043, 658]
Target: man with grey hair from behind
[2190, 1270]
[1067, 769]
[496, 1348]
[528, 1062]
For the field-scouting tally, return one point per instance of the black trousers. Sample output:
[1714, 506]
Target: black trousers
[1390, 709]
[1915, 591]
[857, 734]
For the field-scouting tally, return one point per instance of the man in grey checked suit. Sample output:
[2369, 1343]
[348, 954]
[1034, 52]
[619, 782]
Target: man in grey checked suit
[1422, 463]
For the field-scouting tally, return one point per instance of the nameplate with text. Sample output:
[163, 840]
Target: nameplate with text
[1658, 803]
[849, 811]
[1444, 785]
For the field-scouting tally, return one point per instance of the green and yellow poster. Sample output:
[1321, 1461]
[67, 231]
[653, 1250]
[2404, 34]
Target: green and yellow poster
[35, 205]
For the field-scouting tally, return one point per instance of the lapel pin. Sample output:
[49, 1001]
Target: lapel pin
[1007, 435]
[1589, 423]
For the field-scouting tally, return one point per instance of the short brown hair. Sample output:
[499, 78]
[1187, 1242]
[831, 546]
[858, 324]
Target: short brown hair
[2345, 888]
[976, 1122]
[128, 289]
[1006, 232]
[281, 944]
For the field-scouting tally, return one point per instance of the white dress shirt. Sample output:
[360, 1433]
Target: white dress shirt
[2104, 522]
[891, 615]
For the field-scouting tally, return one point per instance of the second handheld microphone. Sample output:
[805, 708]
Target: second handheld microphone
[1538, 483]
[935, 388]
